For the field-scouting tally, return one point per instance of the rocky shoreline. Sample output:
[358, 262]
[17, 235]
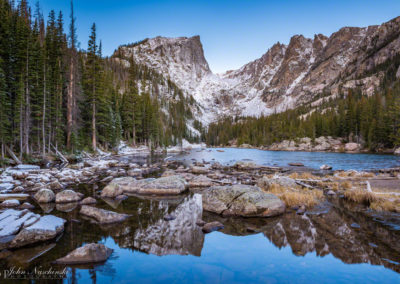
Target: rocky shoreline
[320, 144]
[243, 190]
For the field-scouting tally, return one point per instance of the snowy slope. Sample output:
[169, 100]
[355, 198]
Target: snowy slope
[284, 77]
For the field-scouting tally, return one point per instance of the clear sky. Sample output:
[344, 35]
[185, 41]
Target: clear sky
[233, 32]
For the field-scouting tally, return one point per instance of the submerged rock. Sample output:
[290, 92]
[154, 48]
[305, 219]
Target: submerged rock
[26, 205]
[88, 200]
[211, 227]
[47, 228]
[67, 196]
[45, 196]
[200, 223]
[116, 187]
[241, 200]
[102, 216]
[89, 253]
[66, 207]
[121, 197]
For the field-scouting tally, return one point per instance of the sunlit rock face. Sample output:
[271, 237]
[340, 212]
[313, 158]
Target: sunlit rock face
[286, 76]
[179, 236]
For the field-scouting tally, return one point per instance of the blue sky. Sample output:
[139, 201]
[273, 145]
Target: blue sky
[233, 32]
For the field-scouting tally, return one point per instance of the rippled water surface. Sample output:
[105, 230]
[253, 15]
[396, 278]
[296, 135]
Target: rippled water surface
[342, 161]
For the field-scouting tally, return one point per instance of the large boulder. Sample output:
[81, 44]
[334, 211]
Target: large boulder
[47, 228]
[283, 181]
[397, 151]
[67, 196]
[45, 196]
[102, 216]
[241, 200]
[116, 187]
[89, 253]
[170, 185]
[352, 147]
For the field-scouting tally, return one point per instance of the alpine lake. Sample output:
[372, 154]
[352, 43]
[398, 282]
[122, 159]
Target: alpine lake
[331, 243]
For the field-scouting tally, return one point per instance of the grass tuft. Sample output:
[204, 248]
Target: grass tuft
[361, 196]
[297, 197]
[382, 204]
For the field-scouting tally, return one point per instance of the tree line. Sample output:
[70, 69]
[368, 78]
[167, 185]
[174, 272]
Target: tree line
[373, 121]
[55, 96]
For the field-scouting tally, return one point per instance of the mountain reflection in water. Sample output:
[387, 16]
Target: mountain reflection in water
[146, 242]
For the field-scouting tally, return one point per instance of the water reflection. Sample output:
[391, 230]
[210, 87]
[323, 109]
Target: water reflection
[179, 236]
[348, 236]
[333, 230]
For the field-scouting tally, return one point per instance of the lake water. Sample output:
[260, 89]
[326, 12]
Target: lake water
[339, 161]
[330, 244]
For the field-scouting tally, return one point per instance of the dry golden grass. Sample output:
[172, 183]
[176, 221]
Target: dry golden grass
[361, 196]
[297, 196]
[367, 175]
[346, 174]
[346, 185]
[382, 204]
[303, 175]
[355, 174]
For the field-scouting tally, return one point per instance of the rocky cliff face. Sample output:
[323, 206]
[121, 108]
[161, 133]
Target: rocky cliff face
[286, 76]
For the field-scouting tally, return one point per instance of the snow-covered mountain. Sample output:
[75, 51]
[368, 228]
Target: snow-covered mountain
[286, 76]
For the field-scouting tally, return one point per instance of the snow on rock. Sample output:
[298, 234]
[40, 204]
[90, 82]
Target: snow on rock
[46, 228]
[11, 221]
[10, 203]
[6, 187]
[26, 167]
[185, 147]
[124, 149]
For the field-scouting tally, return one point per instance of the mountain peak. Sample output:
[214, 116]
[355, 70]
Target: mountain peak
[284, 77]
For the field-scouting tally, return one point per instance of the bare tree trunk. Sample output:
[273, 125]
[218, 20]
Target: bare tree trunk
[21, 149]
[133, 130]
[94, 126]
[27, 106]
[44, 113]
[70, 103]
